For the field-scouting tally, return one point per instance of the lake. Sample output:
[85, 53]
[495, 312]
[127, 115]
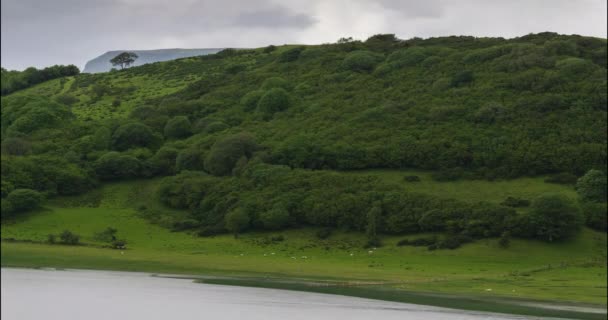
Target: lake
[96, 295]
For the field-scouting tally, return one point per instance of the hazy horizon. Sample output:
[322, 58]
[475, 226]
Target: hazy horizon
[73, 32]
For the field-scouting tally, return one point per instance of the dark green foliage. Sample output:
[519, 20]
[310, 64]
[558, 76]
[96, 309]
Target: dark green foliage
[107, 235]
[592, 186]
[51, 239]
[411, 178]
[553, 217]
[418, 242]
[132, 135]
[236, 221]
[119, 244]
[20, 200]
[462, 78]
[274, 100]
[114, 166]
[290, 55]
[324, 233]
[596, 215]
[189, 159]
[505, 240]
[164, 161]
[269, 49]
[250, 100]
[515, 202]
[276, 218]
[452, 242]
[562, 178]
[69, 238]
[361, 61]
[16, 146]
[178, 127]
[225, 153]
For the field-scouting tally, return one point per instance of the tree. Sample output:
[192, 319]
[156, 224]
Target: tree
[134, 134]
[226, 152]
[236, 221]
[20, 200]
[178, 127]
[592, 186]
[274, 100]
[361, 61]
[371, 230]
[68, 237]
[114, 165]
[275, 218]
[553, 217]
[124, 59]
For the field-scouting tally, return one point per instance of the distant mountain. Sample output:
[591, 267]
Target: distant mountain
[102, 63]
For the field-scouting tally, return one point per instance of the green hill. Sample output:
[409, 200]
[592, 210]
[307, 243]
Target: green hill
[463, 150]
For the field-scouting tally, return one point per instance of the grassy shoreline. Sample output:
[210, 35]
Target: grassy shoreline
[384, 292]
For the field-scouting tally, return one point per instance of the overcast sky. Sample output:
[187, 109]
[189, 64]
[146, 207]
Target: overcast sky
[46, 32]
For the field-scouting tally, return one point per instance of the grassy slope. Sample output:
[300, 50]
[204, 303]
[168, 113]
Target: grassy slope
[571, 271]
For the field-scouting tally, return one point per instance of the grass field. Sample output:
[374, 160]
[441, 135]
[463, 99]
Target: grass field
[572, 271]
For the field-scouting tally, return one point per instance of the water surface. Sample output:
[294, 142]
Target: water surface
[100, 295]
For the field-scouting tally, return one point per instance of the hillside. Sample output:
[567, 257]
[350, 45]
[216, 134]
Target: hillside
[102, 62]
[460, 153]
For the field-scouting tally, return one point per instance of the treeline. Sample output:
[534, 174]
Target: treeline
[271, 197]
[16, 80]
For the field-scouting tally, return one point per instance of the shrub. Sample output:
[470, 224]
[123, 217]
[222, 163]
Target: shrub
[178, 127]
[51, 238]
[505, 239]
[114, 165]
[119, 244]
[515, 202]
[275, 218]
[186, 224]
[274, 100]
[189, 159]
[361, 61]
[134, 134]
[107, 235]
[290, 55]
[592, 186]
[407, 57]
[225, 153]
[236, 221]
[562, 178]
[324, 233]
[23, 199]
[411, 178]
[250, 100]
[462, 78]
[69, 238]
[553, 217]
[453, 242]
[595, 215]
[269, 49]
[16, 146]
[279, 238]
[418, 242]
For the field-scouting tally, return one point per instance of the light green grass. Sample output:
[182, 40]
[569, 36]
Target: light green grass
[471, 190]
[569, 272]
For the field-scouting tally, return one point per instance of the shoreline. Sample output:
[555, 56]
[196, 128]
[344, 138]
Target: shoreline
[376, 291]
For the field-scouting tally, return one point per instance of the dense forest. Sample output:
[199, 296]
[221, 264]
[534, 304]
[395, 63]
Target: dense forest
[251, 139]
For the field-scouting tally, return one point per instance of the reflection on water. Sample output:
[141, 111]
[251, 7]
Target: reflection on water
[96, 295]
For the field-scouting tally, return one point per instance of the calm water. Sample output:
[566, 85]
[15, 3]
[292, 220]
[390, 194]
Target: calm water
[96, 295]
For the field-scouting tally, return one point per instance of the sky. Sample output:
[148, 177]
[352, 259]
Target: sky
[46, 32]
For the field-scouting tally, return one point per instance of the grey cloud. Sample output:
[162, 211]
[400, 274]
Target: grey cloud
[46, 32]
[276, 17]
